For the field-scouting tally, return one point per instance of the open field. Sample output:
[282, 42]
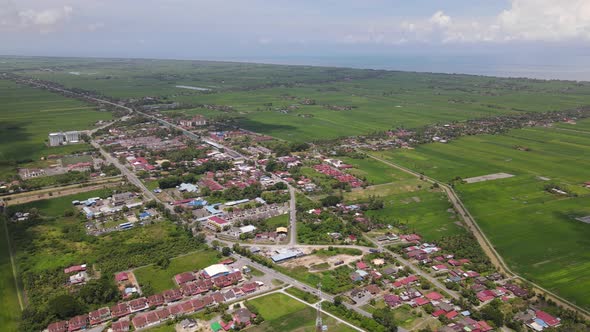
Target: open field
[345, 101]
[333, 281]
[9, 305]
[278, 221]
[162, 279]
[27, 115]
[535, 231]
[386, 189]
[375, 172]
[425, 212]
[282, 313]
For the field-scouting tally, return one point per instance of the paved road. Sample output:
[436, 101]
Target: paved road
[131, 177]
[293, 216]
[482, 239]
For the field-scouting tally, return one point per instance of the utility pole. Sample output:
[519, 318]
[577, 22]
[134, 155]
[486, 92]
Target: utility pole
[318, 321]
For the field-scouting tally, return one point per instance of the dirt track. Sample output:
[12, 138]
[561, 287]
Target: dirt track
[54, 193]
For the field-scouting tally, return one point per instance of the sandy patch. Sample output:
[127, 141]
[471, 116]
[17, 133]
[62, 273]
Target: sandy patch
[488, 177]
[310, 260]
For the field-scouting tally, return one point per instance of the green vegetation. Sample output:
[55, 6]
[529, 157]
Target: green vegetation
[333, 251]
[70, 160]
[333, 281]
[302, 103]
[534, 230]
[154, 278]
[9, 307]
[424, 211]
[282, 313]
[54, 239]
[278, 221]
[255, 272]
[305, 296]
[374, 171]
[28, 115]
[274, 306]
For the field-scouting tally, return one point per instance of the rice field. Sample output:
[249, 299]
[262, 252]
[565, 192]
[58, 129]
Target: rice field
[535, 231]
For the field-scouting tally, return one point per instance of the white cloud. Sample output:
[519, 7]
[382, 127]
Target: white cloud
[525, 20]
[95, 26]
[546, 20]
[13, 18]
[440, 19]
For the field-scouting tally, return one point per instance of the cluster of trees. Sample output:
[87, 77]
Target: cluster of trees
[235, 193]
[375, 203]
[331, 200]
[375, 324]
[272, 197]
[60, 179]
[64, 305]
[50, 300]
[465, 246]
[281, 148]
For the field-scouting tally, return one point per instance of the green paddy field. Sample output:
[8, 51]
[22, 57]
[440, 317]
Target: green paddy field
[28, 115]
[535, 231]
[268, 98]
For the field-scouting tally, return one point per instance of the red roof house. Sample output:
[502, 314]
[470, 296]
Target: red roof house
[547, 318]
[155, 300]
[435, 296]
[120, 310]
[138, 304]
[361, 265]
[78, 323]
[421, 301]
[121, 276]
[249, 287]
[163, 313]
[99, 316]
[184, 277]
[438, 313]
[452, 314]
[75, 269]
[58, 326]
[120, 325]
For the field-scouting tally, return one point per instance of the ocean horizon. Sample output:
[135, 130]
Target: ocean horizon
[574, 68]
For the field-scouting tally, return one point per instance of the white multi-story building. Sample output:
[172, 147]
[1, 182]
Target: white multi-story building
[72, 136]
[60, 138]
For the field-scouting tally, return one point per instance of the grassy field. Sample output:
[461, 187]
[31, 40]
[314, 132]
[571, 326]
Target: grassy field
[424, 211]
[163, 279]
[282, 313]
[535, 231]
[375, 172]
[278, 221]
[28, 115]
[303, 295]
[9, 306]
[333, 281]
[75, 159]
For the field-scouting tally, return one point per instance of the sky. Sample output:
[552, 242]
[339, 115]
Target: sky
[198, 29]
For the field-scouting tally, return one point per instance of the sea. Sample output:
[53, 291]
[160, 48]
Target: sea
[562, 67]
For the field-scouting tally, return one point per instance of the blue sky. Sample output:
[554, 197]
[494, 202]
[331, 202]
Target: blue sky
[259, 28]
